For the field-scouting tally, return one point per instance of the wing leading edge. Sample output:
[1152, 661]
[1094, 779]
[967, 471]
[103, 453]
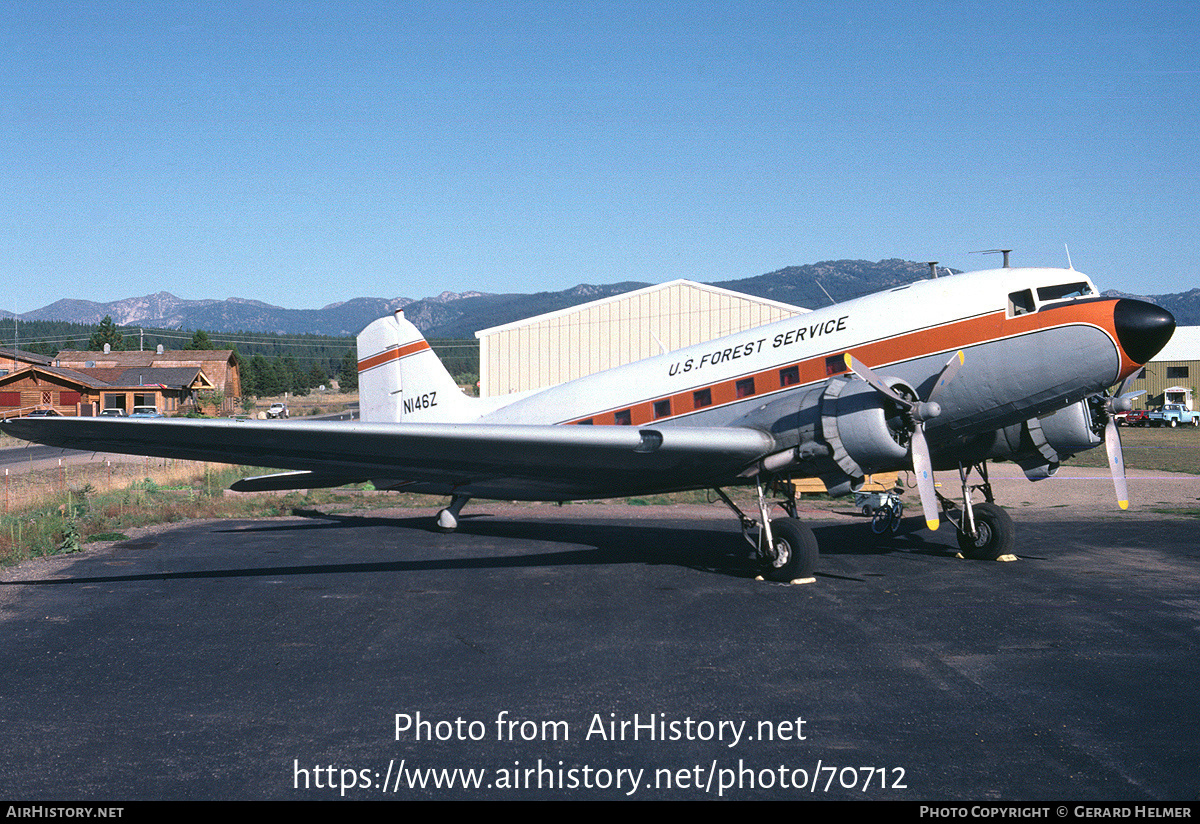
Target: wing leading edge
[505, 461]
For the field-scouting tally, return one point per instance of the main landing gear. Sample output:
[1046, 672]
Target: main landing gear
[785, 547]
[985, 531]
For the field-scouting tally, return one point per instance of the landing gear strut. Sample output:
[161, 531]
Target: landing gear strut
[786, 547]
[985, 531]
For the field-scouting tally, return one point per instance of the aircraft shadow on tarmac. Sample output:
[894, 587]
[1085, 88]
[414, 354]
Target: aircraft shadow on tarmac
[715, 547]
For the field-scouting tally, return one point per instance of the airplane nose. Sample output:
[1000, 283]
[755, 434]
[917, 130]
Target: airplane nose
[1142, 328]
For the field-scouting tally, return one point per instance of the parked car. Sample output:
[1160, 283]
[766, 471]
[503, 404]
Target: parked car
[1173, 414]
[114, 412]
[44, 413]
[1136, 417]
[145, 412]
[278, 410]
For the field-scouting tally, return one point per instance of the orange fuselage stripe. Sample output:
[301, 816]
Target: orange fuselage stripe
[910, 346]
[392, 354]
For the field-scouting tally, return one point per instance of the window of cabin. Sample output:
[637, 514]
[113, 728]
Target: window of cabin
[835, 364]
[701, 398]
[789, 376]
[622, 418]
[745, 387]
[662, 409]
[588, 422]
[1020, 303]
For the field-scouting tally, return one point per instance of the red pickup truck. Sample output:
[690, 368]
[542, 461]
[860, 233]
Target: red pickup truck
[1136, 417]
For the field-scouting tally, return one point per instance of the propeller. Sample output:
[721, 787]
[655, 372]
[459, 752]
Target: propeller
[1109, 405]
[920, 412]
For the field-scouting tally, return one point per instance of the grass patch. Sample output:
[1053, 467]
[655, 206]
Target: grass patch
[59, 512]
[1163, 450]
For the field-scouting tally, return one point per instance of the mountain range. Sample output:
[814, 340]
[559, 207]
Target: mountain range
[460, 315]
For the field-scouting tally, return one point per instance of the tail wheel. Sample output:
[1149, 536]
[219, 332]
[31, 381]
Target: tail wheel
[994, 534]
[794, 552]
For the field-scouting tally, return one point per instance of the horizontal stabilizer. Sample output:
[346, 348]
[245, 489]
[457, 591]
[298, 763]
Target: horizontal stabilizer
[292, 480]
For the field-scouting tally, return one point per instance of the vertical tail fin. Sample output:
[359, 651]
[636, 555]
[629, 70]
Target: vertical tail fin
[401, 379]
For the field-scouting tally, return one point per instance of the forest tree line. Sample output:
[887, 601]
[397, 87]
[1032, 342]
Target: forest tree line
[269, 364]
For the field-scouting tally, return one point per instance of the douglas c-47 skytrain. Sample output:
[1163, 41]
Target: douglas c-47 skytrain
[944, 374]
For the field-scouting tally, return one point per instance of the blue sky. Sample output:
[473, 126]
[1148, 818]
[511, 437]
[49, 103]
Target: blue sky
[305, 153]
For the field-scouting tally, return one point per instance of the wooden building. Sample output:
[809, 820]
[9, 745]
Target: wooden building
[85, 383]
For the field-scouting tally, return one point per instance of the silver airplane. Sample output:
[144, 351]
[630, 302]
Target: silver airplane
[943, 374]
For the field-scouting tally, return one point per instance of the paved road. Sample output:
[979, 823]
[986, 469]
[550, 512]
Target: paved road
[269, 659]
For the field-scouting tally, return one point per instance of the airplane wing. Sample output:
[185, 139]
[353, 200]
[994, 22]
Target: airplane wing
[496, 461]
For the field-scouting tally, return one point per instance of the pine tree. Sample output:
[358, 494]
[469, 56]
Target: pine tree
[199, 341]
[106, 332]
[348, 373]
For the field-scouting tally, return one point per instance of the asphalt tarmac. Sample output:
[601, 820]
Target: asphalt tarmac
[602, 652]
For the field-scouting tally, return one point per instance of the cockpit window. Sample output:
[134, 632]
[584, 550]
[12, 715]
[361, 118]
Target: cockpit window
[1063, 291]
[1020, 303]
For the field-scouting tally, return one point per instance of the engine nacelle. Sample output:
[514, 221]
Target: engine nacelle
[867, 431]
[1039, 445]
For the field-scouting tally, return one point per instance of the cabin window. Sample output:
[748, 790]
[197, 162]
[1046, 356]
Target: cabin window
[745, 387]
[1020, 303]
[588, 422]
[622, 418]
[789, 376]
[662, 409]
[702, 398]
[835, 364]
[1063, 291]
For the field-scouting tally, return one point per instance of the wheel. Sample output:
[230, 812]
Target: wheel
[794, 554]
[995, 537]
[881, 519]
[897, 514]
[866, 510]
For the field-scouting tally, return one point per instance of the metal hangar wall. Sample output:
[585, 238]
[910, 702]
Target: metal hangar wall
[559, 346]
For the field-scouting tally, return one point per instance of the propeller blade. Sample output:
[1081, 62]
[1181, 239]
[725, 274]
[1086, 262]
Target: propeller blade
[923, 469]
[1116, 462]
[863, 371]
[948, 372]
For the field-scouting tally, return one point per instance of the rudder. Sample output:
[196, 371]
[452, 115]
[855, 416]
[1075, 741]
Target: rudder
[400, 378]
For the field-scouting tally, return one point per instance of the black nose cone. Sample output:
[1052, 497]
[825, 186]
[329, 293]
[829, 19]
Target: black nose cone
[1142, 328]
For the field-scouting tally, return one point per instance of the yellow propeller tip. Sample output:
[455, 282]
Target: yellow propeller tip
[1123, 504]
[933, 525]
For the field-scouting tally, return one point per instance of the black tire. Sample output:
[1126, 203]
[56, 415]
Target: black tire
[880, 519]
[996, 534]
[795, 552]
